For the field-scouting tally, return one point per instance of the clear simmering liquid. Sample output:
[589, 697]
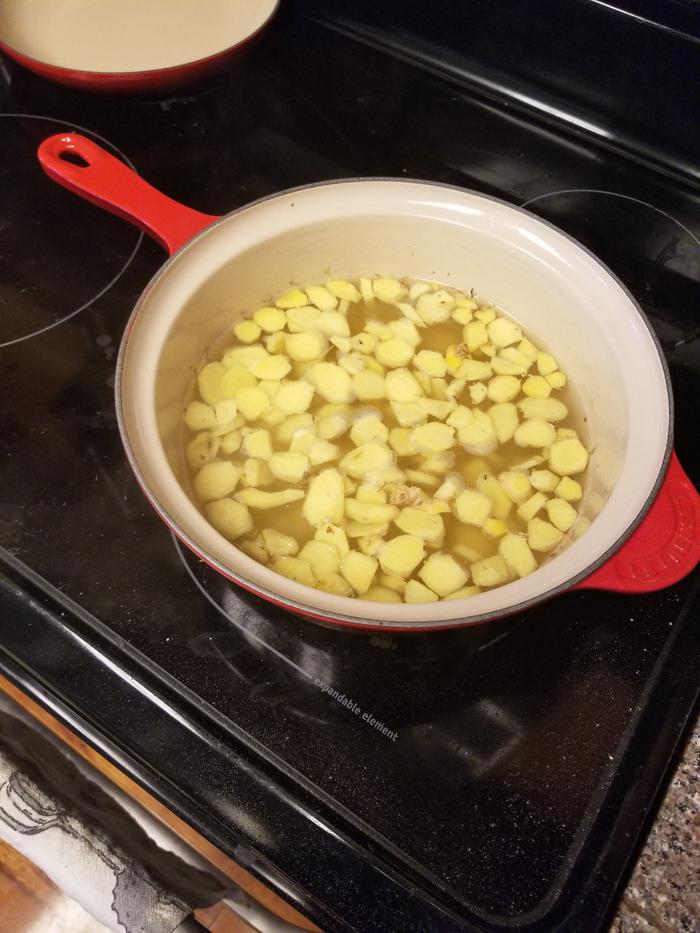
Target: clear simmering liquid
[387, 439]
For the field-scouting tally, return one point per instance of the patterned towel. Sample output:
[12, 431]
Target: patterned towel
[94, 842]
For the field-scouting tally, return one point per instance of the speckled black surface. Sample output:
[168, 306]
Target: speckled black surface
[528, 751]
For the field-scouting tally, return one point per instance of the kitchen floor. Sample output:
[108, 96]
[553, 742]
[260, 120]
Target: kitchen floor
[31, 903]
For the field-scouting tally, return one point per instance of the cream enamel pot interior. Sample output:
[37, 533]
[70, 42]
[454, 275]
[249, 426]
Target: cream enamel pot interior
[561, 294]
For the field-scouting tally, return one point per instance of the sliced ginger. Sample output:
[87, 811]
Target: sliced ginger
[409, 450]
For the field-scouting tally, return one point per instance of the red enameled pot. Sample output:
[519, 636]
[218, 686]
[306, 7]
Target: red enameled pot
[643, 512]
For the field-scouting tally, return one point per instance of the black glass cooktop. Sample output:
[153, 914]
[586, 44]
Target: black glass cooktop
[519, 759]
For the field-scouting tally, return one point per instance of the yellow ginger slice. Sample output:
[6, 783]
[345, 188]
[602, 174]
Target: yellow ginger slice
[289, 466]
[252, 402]
[368, 493]
[503, 388]
[333, 324]
[295, 298]
[430, 362]
[490, 487]
[450, 487]
[473, 507]
[302, 320]
[546, 364]
[382, 594]
[485, 313]
[257, 443]
[370, 513]
[548, 409]
[215, 480]
[369, 427]
[504, 333]
[561, 514]
[437, 306]
[568, 456]
[236, 378]
[569, 489]
[534, 433]
[528, 509]
[536, 387]
[544, 480]
[262, 499]
[504, 417]
[475, 335]
[479, 436]
[295, 569]
[557, 380]
[474, 370]
[417, 592]
[405, 330]
[477, 392]
[254, 550]
[515, 485]
[506, 366]
[325, 498]
[257, 473]
[402, 441]
[278, 544]
[247, 331]
[389, 290]
[433, 437]
[200, 416]
[491, 571]
[321, 452]
[402, 386]
[322, 297]
[542, 536]
[359, 570]
[197, 451]
[209, 382]
[294, 396]
[464, 592]
[421, 524]
[409, 413]
[442, 574]
[305, 347]
[274, 343]
[329, 533]
[243, 356]
[272, 319]
[323, 558]
[366, 457]
[368, 385]
[344, 290]
[495, 527]
[402, 555]
[516, 552]
[231, 519]
[331, 382]
[394, 353]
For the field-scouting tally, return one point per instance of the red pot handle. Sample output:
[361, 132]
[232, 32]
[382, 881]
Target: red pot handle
[664, 548]
[109, 183]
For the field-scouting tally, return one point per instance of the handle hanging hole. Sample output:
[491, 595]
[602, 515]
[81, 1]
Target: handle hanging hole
[74, 158]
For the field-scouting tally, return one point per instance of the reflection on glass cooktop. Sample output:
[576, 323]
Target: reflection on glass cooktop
[480, 757]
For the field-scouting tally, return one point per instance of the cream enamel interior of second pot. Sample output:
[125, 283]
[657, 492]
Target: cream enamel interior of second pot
[557, 291]
[124, 36]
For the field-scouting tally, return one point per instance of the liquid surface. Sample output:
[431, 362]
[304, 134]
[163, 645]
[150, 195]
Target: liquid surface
[426, 447]
[127, 35]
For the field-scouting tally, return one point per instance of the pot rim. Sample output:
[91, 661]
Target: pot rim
[339, 619]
